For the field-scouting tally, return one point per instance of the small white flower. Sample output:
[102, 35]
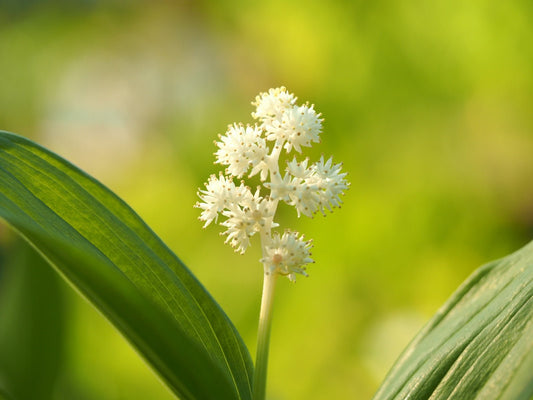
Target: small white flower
[332, 183]
[243, 147]
[281, 188]
[312, 188]
[298, 169]
[239, 229]
[306, 199]
[287, 255]
[259, 211]
[218, 194]
[272, 104]
[298, 126]
[251, 215]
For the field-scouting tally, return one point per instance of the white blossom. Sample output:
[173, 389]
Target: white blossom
[306, 199]
[298, 169]
[244, 150]
[243, 147]
[272, 104]
[331, 182]
[239, 230]
[251, 215]
[287, 255]
[298, 126]
[260, 211]
[313, 188]
[281, 188]
[219, 193]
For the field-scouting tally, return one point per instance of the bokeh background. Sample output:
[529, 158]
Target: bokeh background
[428, 104]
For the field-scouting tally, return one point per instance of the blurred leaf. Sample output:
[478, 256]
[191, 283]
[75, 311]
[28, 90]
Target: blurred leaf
[113, 259]
[479, 345]
[4, 396]
[31, 322]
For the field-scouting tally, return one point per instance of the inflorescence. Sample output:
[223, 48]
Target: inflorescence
[255, 150]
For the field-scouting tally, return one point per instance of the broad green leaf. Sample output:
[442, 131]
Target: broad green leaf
[479, 345]
[31, 324]
[4, 396]
[115, 261]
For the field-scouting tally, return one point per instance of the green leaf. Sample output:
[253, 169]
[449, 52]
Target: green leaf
[4, 396]
[31, 324]
[479, 345]
[115, 261]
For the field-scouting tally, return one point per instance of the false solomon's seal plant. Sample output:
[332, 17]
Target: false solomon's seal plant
[479, 345]
[249, 150]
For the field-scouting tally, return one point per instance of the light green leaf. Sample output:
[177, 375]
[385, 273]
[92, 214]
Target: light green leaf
[114, 260]
[479, 345]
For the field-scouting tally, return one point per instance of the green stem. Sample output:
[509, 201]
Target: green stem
[263, 336]
[265, 315]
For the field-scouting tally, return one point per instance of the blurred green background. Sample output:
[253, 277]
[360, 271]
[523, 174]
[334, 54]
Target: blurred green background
[428, 104]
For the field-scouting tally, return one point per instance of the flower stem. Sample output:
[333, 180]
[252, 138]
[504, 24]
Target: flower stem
[263, 336]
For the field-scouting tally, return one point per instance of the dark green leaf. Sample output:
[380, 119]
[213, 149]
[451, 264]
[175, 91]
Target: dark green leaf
[113, 259]
[479, 345]
[31, 324]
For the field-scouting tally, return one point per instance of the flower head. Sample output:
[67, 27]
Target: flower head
[219, 193]
[287, 255]
[281, 188]
[272, 104]
[242, 147]
[252, 214]
[297, 126]
[298, 169]
[331, 183]
[245, 150]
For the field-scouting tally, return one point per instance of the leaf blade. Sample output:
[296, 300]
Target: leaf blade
[31, 323]
[477, 343]
[54, 204]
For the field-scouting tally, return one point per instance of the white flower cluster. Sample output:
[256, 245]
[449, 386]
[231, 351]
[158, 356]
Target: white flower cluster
[252, 150]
